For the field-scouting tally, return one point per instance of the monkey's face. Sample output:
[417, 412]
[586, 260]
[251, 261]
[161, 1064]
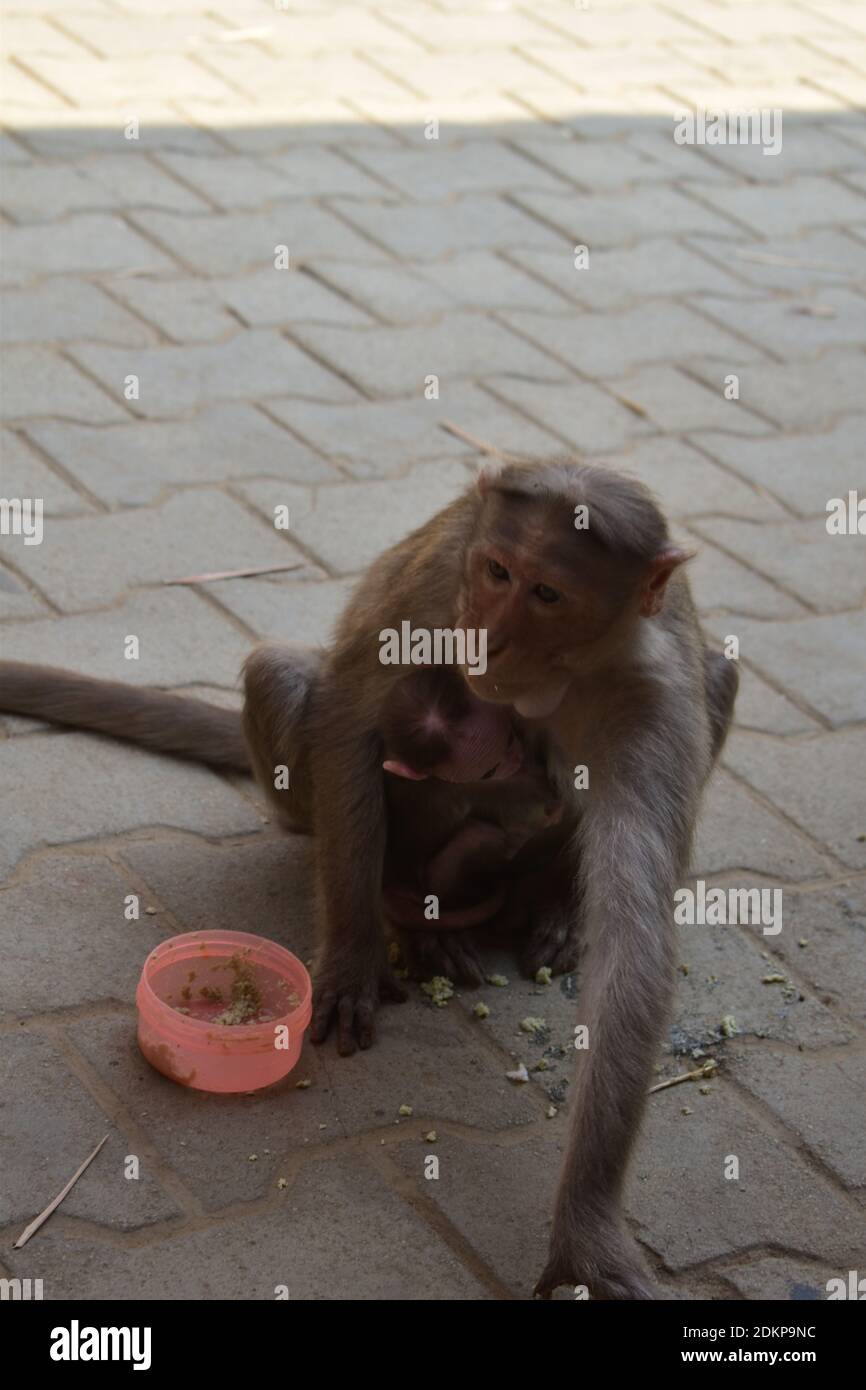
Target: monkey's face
[548, 598]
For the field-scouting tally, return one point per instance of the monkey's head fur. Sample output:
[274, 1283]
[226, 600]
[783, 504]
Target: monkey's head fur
[433, 726]
[566, 560]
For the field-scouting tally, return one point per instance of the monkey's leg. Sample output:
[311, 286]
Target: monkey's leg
[278, 685]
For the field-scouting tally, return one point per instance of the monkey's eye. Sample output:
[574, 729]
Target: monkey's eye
[545, 593]
[497, 571]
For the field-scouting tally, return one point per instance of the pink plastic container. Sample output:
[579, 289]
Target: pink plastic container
[198, 973]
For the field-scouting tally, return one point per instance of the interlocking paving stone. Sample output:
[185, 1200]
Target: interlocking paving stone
[608, 219]
[131, 465]
[686, 483]
[348, 525]
[38, 382]
[56, 1123]
[65, 310]
[252, 365]
[577, 412]
[430, 232]
[85, 563]
[735, 832]
[316, 1242]
[107, 790]
[619, 276]
[804, 202]
[65, 938]
[796, 395]
[25, 475]
[89, 243]
[227, 243]
[822, 945]
[672, 401]
[803, 470]
[270, 298]
[826, 571]
[46, 193]
[811, 780]
[181, 639]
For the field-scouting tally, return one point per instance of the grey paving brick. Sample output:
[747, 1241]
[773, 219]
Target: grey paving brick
[472, 1179]
[390, 291]
[181, 640]
[803, 470]
[479, 166]
[829, 923]
[270, 298]
[811, 781]
[25, 475]
[687, 483]
[129, 36]
[598, 220]
[596, 166]
[431, 231]
[15, 600]
[38, 382]
[482, 280]
[609, 344]
[723, 969]
[47, 192]
[819, 1106]
[780, 1278]
[674, 402]
[55, 1123]
[617, 277]
[162, 126]
[228, 243]
[736, 833]
[579, 413]
[806, 149]
[777, 1200]
[61, 309]
[396, 361]
[828, 572]
[348, 525]
[134, 464]
[84, 563]
[89, 243]
[293, 1244]
[185, 310]
[804, 202]
[799, 328]
[254, 364]
[376, 439]
[238, 182]
[761, 707]
[85, 954]
[801, 395]
[289, 612]
[803, 264]
[107, 790]
[721, 585]
[817, 659]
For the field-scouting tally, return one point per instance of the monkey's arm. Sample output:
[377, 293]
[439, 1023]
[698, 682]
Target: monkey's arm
[634, 840]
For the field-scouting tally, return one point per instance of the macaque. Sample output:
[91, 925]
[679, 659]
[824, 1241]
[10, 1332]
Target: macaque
[593, 644]
[464, 793]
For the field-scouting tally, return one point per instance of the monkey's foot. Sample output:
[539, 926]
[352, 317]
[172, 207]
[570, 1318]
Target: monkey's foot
[602, 1262]
[352, 1005]
[452, 954]
[554, 941]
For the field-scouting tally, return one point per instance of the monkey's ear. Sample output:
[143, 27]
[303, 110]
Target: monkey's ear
[656, 579]
[404, 770]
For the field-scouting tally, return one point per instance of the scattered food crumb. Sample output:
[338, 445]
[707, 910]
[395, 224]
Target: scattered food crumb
[431, 1137]
[439, 989]
[544, 975]
[151, 911]
[252, 1158]
[551, 1111]
[684, 970]
[303, 1085]
[323, 1126]
[803, 942]
[282, 1183]
[541, 1065]
[481, 1011]
[519, 1074]
[500, 980]
[686, 1110]
[705, 1090]
[775, 980]
[405, 1110]
[728, 1026]
[533, 1026]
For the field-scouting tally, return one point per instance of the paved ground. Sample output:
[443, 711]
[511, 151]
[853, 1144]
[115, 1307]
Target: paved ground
[411, 258]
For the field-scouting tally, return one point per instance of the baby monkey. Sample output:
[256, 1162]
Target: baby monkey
[465, 793]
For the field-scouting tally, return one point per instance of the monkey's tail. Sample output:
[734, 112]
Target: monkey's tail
[152, 718]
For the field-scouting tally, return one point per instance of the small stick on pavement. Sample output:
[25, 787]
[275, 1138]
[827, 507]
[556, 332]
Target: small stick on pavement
[52, 1206]
[707, 1069]
[233, 574]
[481, 445]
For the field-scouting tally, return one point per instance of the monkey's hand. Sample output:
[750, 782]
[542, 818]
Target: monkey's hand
[553, 940]
[350, 1000]
[452, 954]
[594, 1257]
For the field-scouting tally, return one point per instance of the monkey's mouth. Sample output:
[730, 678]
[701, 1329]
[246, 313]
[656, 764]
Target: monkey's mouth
[507, 766]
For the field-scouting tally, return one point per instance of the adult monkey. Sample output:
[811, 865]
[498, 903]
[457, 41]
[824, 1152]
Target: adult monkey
[592, 634]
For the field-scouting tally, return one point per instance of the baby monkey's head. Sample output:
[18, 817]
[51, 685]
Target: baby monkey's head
[434, 726]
